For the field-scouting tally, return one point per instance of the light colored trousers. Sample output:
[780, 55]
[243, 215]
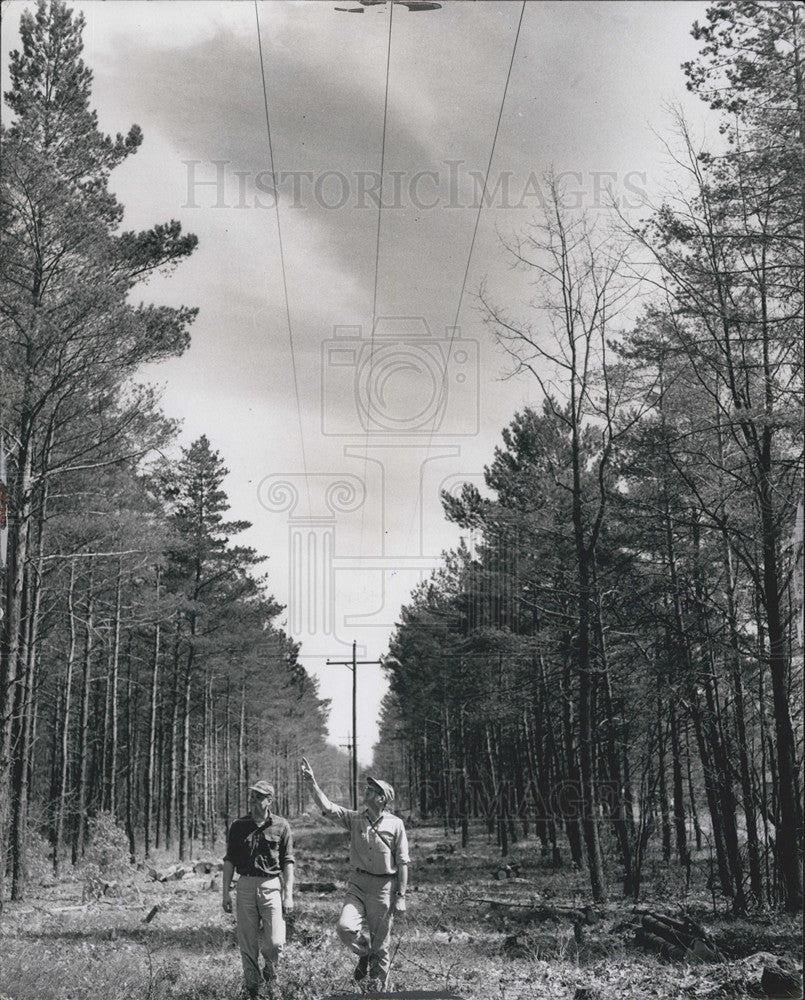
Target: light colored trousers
[261, 927]
[365, 921]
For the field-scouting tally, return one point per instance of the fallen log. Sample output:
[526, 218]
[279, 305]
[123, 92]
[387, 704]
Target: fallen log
[174, 872]
[542, 911]
[316, 886]
[672, 934]
[678, 939]
[659, 944]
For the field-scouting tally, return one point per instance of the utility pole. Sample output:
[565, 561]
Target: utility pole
[348, 747]
[353, 665]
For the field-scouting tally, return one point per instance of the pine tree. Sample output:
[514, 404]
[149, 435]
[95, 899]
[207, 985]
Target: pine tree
[731, 252]
[213, 579]
[70, 336]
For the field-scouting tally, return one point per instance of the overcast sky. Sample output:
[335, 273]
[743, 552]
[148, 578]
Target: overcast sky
[289, 409]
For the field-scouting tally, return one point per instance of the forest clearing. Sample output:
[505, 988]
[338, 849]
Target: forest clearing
[59, 946]
[530, 448]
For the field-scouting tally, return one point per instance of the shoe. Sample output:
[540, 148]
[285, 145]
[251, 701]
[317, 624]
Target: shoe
[267, 991]
[361, 968]
[377, 984]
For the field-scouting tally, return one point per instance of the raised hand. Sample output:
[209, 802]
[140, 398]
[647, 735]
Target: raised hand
[307, 770]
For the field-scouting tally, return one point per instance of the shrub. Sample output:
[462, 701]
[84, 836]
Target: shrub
[107, 855]
[39, 854]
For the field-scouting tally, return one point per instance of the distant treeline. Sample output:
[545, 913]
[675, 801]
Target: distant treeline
[142, 669]
[620, 635]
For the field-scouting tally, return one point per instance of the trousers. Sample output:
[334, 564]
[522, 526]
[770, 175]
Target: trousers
[365, 922]
[260, 926]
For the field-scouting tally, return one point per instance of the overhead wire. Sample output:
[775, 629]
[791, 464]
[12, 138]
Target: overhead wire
[282, 263]
[382, 171]
[454, 328]
[486, 182]
[376, 276]
[462, 291]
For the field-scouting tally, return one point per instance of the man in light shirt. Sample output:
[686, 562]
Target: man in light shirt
[378, 877]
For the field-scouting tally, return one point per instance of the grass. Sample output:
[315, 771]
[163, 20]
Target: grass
[54, 946]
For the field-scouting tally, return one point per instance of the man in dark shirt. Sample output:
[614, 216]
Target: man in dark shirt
[259, 848]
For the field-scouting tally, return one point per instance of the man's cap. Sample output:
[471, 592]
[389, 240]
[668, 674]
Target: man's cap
[262, 788]
[384, 787]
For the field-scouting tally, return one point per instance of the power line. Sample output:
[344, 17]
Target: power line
[382, 170]
[474, 235]
[282, 261]
[486, 181]
[377, 272]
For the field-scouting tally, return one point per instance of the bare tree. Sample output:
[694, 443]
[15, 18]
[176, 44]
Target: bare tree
[584, 281]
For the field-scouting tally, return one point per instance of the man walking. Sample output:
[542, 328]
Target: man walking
[378, 877]
[259, 848]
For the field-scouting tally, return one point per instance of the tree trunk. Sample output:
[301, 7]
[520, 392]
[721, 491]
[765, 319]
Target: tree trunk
[131, 763]
[22, 748]
[23, 764]
[64, 732]
[789, 831]
[18, 531]
[184, 774]
[589, 798]
[152, 729]
[665, 818]
[114, 692]
[206, 747]
[227, 761]
[571, 774]
[242, 765]
[678, 788]
[79, 834]
[173, 747]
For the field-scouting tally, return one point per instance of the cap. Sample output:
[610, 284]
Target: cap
[262, 788]
[384, 787]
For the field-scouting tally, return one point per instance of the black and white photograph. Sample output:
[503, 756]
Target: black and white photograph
[401, 499]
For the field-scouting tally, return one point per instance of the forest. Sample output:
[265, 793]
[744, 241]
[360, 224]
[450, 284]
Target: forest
[144, 674]
[614, 656]
[613, 661]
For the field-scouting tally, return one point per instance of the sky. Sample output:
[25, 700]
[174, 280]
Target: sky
[338, 439]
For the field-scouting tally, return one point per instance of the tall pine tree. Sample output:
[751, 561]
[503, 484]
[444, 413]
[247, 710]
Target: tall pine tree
[70, 336]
